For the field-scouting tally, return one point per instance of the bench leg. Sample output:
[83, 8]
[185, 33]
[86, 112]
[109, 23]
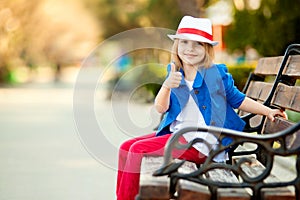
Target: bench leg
[297, 191]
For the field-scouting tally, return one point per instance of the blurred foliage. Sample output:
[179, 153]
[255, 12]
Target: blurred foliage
[240, 73]
[116, 16]
[293, 116]
[152, 77]
[42, 33]
[143, 76]
[62, 32]
[269, 29]
[58, 33]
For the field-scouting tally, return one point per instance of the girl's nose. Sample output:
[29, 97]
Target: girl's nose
[190, 45]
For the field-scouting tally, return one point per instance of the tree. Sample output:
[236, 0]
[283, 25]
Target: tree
[269, 28]
[44, 32]
[13, 16]
[70, 33]
[117, 16]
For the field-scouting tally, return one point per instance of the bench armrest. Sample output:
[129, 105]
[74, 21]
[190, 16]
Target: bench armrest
[170, 167]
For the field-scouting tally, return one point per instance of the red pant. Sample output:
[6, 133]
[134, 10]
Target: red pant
[131, 153]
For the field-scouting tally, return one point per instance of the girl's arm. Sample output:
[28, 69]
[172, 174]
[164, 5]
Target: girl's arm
[254, 107]
[162, 100]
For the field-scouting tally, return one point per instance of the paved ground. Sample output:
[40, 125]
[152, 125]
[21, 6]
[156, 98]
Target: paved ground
[42, 153]
[42, 156]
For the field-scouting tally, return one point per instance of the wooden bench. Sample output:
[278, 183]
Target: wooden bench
[248, 174]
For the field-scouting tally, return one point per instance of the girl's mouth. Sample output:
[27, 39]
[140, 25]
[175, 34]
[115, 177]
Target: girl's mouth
[190, 55]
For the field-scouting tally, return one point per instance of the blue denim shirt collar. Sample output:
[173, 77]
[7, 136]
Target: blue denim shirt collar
[198, 79]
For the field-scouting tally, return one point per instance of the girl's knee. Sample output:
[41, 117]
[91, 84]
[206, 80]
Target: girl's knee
[136, 147]
[125, 146]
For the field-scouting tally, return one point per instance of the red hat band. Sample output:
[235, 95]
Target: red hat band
[196, 32]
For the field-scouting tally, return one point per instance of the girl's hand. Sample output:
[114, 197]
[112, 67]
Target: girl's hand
[276, 112]
[173, 79]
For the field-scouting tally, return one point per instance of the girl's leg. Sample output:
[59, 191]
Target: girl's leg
[129, 182]
[123, 152]
[191, 154]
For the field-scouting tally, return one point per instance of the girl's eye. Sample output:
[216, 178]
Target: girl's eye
[200, 43]
[184, 41]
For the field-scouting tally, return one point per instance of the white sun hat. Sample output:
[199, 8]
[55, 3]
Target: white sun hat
[197, 29]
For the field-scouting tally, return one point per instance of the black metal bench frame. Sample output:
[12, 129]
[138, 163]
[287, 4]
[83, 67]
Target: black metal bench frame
[265, 142]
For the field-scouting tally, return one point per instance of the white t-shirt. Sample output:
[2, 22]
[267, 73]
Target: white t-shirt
[191, 116]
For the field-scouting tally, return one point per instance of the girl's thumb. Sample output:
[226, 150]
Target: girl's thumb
[173, 67]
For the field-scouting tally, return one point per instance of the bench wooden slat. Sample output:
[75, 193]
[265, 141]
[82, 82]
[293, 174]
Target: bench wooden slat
[278, 125]
[255, 169]
[277, 194]
[259, 90]
[293, 68]
[188, 190]
[254, 121]
[287, 97]
[268, 65]
[157, 188]
[221, 175]
[153, 188]
[292, 141]
[233, 194]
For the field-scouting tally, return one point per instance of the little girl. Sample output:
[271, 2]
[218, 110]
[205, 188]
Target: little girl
[196, 92]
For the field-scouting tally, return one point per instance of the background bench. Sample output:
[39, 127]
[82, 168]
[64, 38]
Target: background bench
[275, 83]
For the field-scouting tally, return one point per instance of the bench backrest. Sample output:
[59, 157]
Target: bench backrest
[287, 97]
[275, 83]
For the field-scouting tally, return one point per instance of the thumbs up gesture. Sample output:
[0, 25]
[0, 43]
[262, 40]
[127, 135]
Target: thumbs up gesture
[173, 79]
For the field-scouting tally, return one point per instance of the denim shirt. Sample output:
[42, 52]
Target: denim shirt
[215, 95]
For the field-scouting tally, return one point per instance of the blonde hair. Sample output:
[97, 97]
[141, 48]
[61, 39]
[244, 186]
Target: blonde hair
[208, 58]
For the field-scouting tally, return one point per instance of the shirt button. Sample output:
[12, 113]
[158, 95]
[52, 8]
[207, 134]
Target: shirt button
[196, 91]
[212, 123]
[203, 107]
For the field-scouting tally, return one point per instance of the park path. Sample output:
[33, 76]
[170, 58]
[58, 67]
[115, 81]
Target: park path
[41, 154]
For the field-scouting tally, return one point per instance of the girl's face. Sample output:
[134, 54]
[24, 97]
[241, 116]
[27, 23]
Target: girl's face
[191, 52]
